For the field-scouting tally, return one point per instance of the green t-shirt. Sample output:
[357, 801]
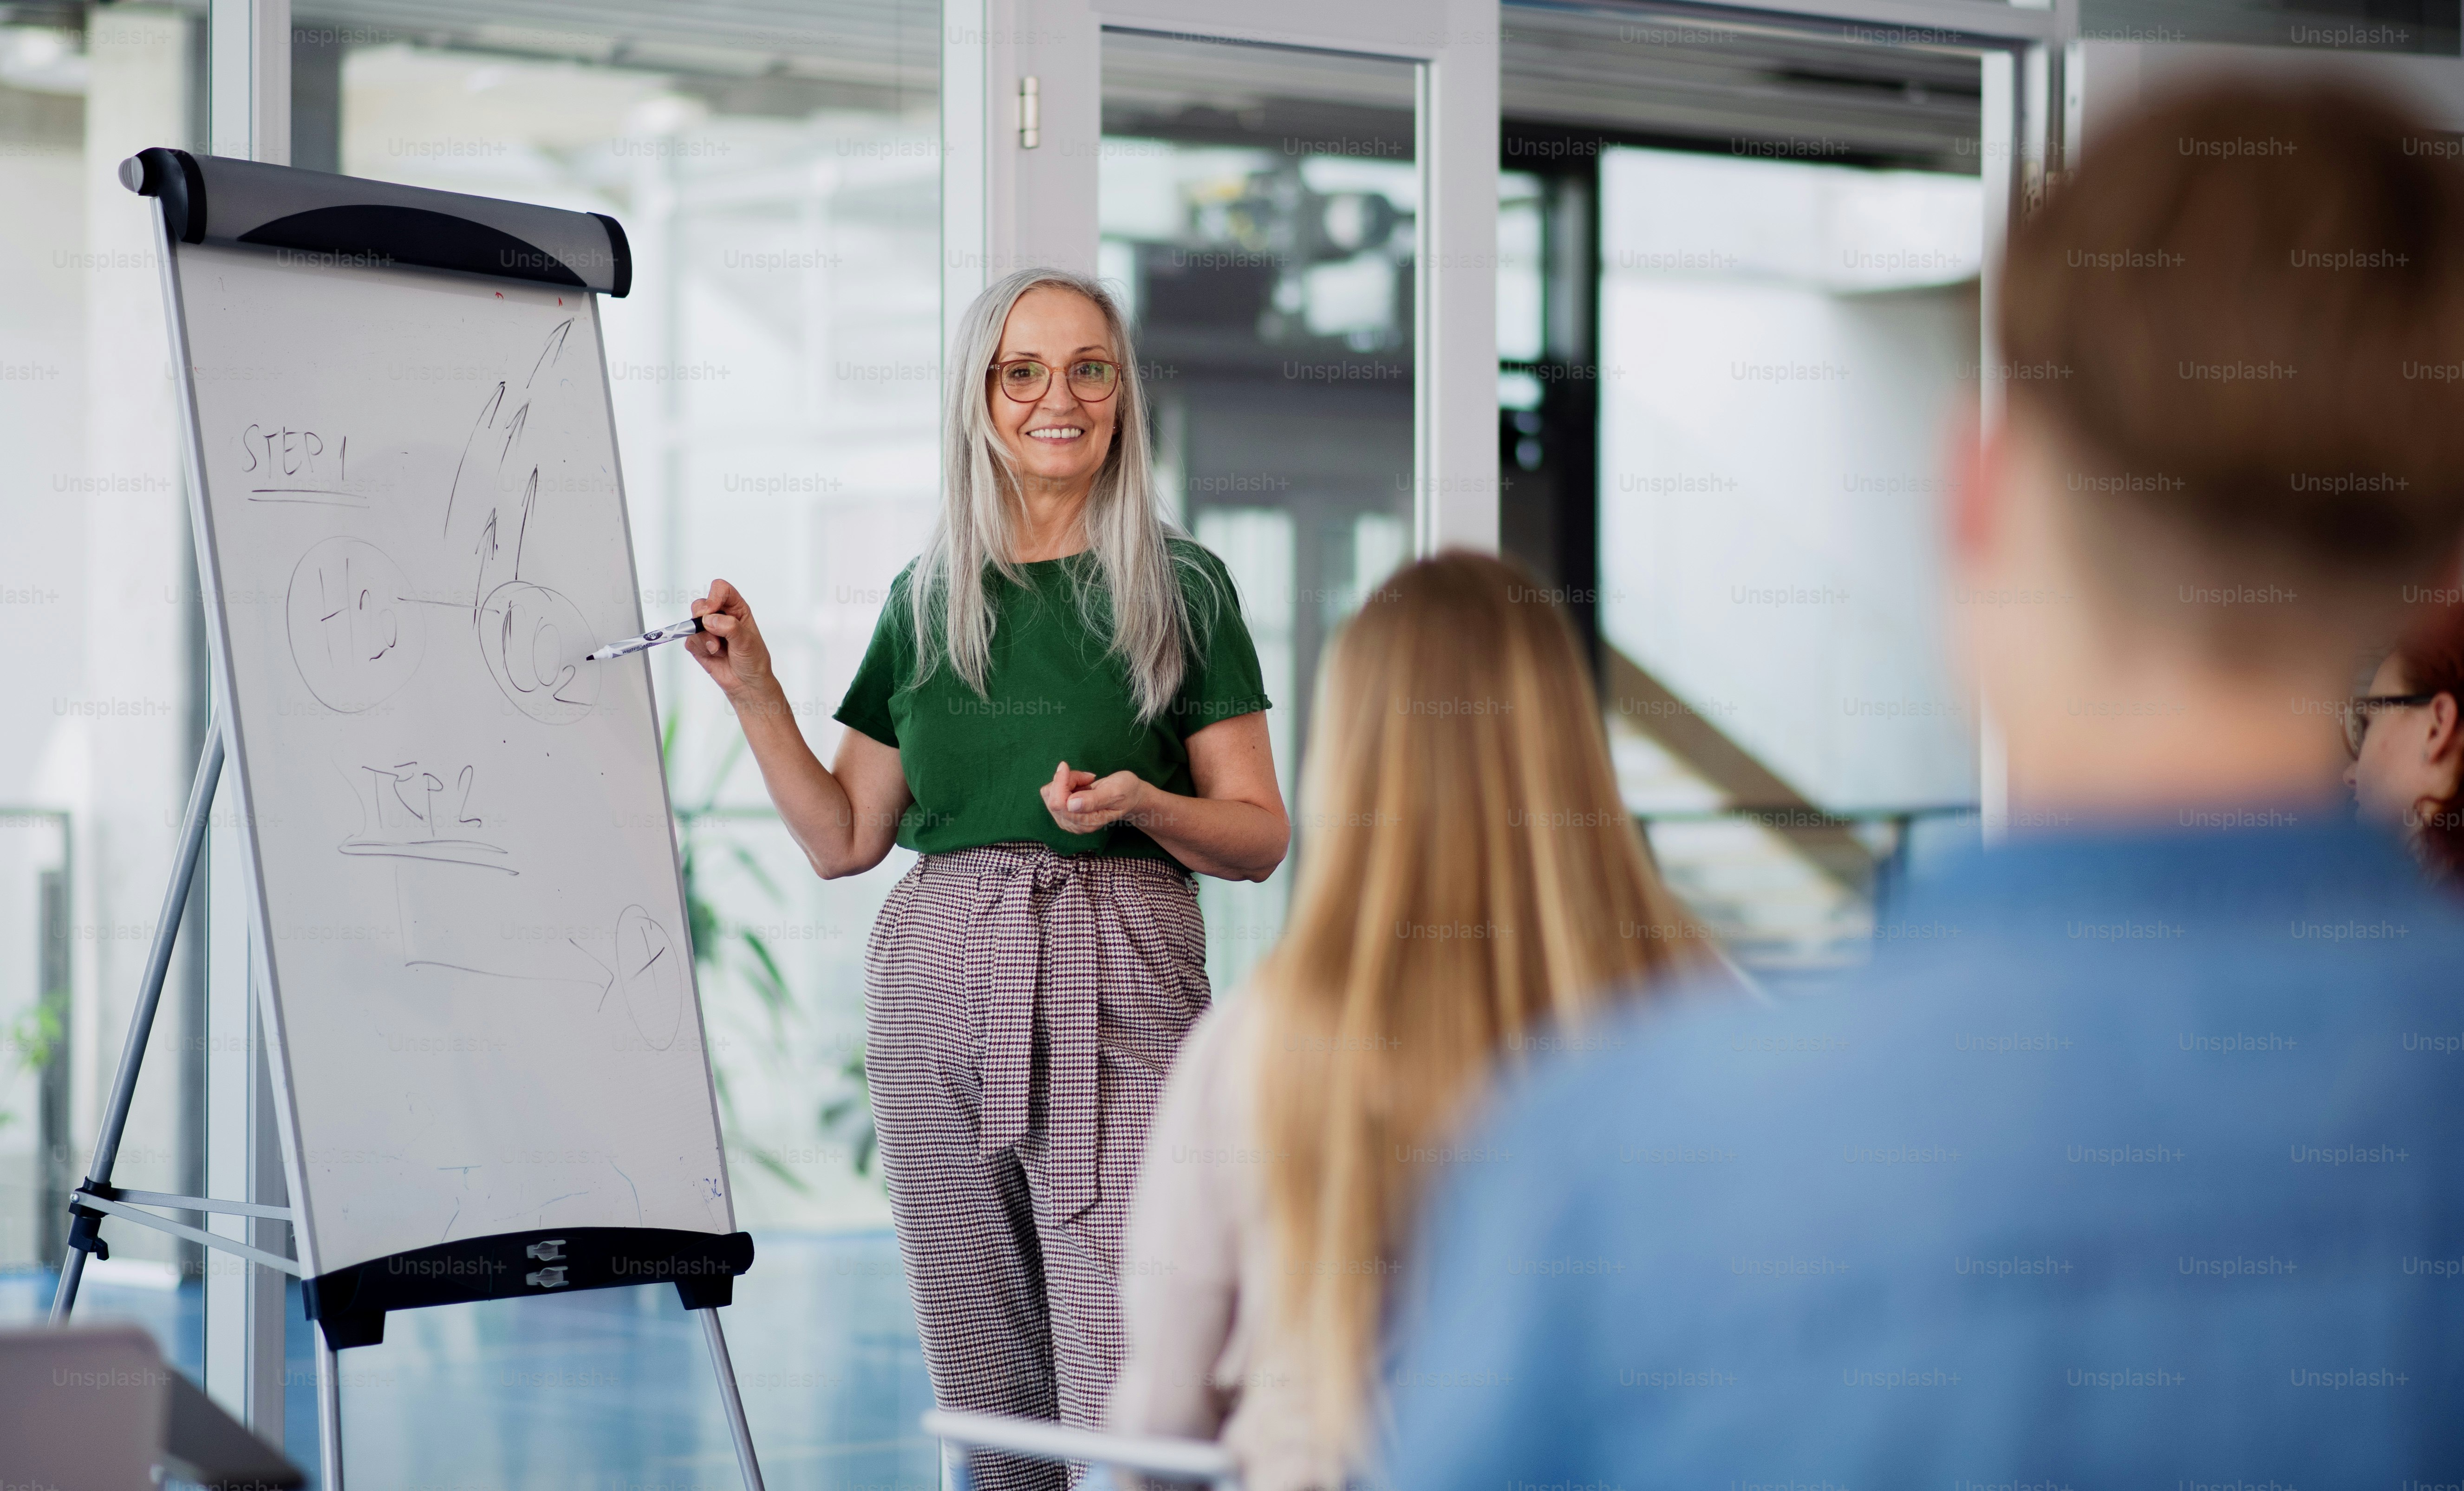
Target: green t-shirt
[1053, 692]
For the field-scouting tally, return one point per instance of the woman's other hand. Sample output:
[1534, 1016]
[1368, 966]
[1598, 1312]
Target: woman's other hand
[730, 648]
[1083, 803]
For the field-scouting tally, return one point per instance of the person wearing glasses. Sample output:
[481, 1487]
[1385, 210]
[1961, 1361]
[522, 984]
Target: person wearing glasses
[2407, 742]
[1062, 712]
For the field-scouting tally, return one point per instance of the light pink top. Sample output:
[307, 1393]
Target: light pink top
[1197, 1273]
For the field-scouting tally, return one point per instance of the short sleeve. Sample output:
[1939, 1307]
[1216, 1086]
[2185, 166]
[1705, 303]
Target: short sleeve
[1222, 680]
[888, 660]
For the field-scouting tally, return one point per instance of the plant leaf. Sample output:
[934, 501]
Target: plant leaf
[727, 761]
[752, 863]
[771, 1163]
[767, 981]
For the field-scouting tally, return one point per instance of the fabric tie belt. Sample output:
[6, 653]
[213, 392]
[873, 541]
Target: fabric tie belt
[1035, 941]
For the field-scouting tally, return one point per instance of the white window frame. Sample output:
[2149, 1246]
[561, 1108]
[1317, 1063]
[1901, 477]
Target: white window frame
[248, 110]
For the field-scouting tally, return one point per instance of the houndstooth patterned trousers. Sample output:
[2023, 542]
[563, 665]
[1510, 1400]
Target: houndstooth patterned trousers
[1022, 1008]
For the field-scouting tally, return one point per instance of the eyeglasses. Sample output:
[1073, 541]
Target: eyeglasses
[1025, 379]
[2357, 712]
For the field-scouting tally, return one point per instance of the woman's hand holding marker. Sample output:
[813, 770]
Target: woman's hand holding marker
[731, 650]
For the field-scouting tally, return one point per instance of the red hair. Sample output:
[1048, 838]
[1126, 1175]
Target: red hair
[2431, 654]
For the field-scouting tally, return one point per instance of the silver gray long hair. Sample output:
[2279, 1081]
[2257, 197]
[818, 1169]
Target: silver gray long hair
[1142, 601]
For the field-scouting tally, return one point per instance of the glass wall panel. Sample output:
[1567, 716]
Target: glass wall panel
[1259, 214]
[1781, 344]
[99, 653]
[775, 379]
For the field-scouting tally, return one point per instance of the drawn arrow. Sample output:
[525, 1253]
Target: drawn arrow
[487, 420]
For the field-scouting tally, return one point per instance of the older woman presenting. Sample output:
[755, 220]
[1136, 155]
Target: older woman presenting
[1061, 711]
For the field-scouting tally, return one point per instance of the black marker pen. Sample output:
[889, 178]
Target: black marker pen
[646, 639]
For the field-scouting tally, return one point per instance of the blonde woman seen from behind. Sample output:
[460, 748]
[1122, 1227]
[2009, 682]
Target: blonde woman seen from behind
[1469, 886]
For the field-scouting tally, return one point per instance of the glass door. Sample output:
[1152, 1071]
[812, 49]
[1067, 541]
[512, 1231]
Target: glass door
[1260, 215]
[1745, 272]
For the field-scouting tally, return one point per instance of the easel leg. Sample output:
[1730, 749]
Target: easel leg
[733, 1401]
[140, 1024]
[329, 1415]
[72, 1268]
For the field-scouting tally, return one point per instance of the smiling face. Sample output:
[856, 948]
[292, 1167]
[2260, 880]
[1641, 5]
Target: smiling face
[1056, 441]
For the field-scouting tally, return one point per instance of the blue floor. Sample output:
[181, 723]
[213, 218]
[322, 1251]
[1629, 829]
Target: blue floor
[609, 1390]
[175, 1317]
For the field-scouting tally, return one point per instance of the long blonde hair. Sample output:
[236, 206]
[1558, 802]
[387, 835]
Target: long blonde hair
[1469, 877]
[1154, 598]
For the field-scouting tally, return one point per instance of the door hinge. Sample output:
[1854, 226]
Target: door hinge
[1030, 113]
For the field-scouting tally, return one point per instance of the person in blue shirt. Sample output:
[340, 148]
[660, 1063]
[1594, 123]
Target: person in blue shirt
[2134, 1157]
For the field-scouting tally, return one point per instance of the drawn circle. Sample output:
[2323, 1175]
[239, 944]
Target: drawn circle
[653, 976]
[356, 636]
[534, 642]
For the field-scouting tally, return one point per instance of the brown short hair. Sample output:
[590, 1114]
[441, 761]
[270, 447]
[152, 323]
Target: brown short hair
[2244, 314]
